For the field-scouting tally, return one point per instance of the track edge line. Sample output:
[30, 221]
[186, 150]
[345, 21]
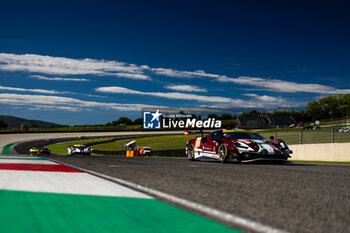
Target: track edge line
[212, 212]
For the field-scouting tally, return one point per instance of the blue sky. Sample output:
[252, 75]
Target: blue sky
[81, 62]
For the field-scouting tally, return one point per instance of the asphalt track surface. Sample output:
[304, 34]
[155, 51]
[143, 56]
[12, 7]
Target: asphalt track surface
[291, 197]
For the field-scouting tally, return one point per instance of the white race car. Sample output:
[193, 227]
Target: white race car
[79, 150]
[344, 130]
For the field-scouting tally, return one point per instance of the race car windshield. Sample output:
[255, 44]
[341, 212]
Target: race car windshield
[244, 135]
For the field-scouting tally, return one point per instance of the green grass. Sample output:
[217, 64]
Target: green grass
[292, 136]
[7, 149]
[61, 148]
[33, 212]
[173, 142]
[157, 143]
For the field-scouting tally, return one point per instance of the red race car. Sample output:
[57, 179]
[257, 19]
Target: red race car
[237, 145]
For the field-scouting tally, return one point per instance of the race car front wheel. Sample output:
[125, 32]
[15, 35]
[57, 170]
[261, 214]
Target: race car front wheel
[222, 152]
[190, 152]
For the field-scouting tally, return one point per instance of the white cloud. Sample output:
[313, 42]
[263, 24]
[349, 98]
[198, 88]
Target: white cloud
[182, 74]
[40, 77]
[68, 66]
[266, 98]
[170, 95]
[133, 76]
[282, 86]
[42, 91]
[46, 102]
[56, 103]
[274, 85]
[257, 101]
[187, 88]
[54, 108]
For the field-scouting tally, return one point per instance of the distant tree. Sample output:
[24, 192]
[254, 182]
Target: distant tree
[138, 121]
[344, 107]
[181, 118]
[301, 116]
[213, 116]
[329, 107]
[226, 116]
[255, 113]
[3, 125]
[25, 127]
[55, 126]
[122, 121]
[324, 108]
[252, 113]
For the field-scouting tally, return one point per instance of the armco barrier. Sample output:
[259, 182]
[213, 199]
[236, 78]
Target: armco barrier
[337, 152]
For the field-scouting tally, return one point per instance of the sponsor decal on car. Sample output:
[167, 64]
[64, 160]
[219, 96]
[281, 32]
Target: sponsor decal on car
[198, 142]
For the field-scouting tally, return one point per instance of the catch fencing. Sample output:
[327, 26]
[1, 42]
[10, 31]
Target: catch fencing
[310, 136]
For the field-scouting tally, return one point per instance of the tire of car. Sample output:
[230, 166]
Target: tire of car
[190, 151]
[222, 152]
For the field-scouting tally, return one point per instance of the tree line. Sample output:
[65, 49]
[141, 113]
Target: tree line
[335, 106]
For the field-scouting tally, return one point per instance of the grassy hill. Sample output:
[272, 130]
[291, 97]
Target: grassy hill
[16, 122]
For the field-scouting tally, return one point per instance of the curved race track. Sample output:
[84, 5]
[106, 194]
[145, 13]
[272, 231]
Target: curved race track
[290, 197]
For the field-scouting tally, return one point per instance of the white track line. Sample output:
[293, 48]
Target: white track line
[214, 213]
[64, 182]
[26, 161]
